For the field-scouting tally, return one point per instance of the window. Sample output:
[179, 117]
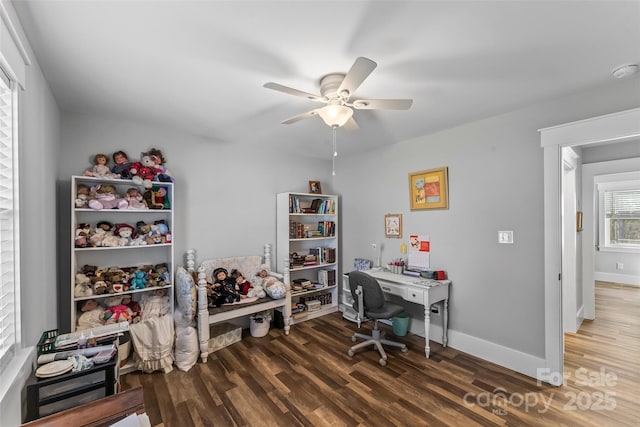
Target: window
[9, 246]
[619, 204]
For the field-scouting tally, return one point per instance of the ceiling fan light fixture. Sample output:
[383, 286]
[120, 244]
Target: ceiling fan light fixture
[336, 115]
[359, 104]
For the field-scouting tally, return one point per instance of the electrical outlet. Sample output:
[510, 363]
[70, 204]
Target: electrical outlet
[619, 266]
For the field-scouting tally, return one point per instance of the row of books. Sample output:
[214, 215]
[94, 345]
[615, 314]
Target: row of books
[324, 255]
[300, 230]
[315, 206]
[316, 256]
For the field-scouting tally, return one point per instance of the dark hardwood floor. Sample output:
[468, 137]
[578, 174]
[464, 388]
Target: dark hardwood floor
[307, 379]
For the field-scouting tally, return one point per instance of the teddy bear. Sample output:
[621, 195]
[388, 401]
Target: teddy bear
[125, 233]
[138, 281]
[142, 228]
[144, 171]
[105, 197]
[90, 313]
[100, 287]
[83, 286]
[115, 311]
[159, 161]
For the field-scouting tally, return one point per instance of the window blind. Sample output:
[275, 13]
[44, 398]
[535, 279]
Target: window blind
[622, 204]
[9, 314]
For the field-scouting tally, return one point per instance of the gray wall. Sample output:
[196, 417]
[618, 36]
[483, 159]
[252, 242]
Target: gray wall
[496, 183]
[225, 200]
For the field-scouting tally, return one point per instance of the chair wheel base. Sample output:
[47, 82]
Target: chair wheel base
[404, 349]
[351, 353]
[383, 362]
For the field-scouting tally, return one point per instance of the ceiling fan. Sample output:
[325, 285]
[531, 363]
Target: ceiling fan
[336, 90]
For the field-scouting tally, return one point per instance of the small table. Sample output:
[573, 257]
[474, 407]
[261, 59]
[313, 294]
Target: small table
[420, 291]
[46, 396]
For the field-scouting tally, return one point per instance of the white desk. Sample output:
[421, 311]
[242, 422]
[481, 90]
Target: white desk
[420, 291]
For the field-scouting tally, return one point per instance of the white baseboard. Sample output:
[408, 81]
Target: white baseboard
[509, 358]
[518, 361]
[625, 279]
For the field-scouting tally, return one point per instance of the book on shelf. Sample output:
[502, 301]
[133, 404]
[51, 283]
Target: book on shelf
[327, 277]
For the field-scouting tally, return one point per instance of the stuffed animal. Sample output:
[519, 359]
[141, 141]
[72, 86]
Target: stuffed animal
[105, 197]
[97, 237]
[156, 198]
[100, 287]
[90, 313]
[144, 171]
[138, 281]
[125, 233]
[159, 161]
[83, 286]
[116, 311]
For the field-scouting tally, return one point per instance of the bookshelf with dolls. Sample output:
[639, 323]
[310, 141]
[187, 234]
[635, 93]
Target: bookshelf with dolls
[122, 249]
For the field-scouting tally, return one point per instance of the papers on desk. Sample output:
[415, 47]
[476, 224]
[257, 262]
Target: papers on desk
[419, 251]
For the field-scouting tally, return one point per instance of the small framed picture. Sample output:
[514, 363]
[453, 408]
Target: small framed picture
[393, 225]
[314, 187]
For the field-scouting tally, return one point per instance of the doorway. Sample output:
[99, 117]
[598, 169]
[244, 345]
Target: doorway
[616, 127]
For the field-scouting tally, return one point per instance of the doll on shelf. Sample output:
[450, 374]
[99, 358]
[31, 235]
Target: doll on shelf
[121, 165]
[100, 168]
[135, 199]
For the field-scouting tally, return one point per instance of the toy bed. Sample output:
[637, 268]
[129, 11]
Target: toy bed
[206, 316]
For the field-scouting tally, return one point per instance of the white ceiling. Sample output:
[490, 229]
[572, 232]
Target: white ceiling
[199, 66]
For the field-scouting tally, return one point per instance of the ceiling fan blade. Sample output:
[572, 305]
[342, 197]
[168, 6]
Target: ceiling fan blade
[295, 92]
[359, 71]
[301, 116]
[382, 104]
[351, 124]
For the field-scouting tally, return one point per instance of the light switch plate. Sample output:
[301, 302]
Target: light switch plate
[505, 237]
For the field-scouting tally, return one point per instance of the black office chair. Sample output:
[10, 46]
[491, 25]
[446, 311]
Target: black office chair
[369, 302]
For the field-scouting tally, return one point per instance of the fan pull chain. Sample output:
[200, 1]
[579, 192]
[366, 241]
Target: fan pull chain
[335, 152]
